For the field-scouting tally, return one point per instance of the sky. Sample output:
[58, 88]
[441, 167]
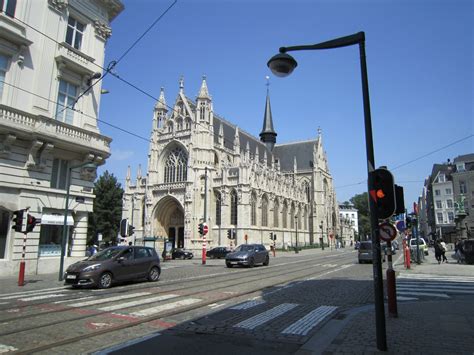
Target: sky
[419, 62]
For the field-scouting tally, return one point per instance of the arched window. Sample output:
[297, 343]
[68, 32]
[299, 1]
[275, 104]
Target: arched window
[202, 110]
[233, 207]
[179, 124]
[276, 208]
[253, 210]
[188, 123]
[284, 215]
[305, 217]
[307, 191]
[292, 216]
[325, 190]
[176, 166]
[218, 208]
[264, 211]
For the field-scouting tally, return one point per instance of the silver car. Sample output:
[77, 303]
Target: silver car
[248, 255]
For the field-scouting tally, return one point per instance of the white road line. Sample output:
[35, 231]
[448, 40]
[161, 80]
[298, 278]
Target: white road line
[247, 305]
[437, 285]
[402, 298]
[42, 297]
[24, 293]
[430, 277]
[309, 321]
[108, 299]
[441, 295]
[137, 303]
[74, 300]
[436, 289]
[28, 294]
[259, 319]
[329, 272]
[6, 348]
[165, 307]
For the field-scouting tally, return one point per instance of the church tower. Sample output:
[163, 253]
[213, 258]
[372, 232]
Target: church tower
[268, 134]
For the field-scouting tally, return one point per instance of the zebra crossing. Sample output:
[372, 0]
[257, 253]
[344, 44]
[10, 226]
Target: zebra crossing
[411, 287]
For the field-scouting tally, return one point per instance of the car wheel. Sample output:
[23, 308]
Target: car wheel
[267, 261]
[182, 257]
[229, 265]
[105, 280]
[251, 262]
[154, 274]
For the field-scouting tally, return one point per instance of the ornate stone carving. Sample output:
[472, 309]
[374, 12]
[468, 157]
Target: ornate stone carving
[59, 5]
[5, 144]
[102, 30]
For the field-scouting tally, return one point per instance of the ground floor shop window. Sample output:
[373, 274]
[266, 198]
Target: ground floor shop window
[50, 240]
[4, 221]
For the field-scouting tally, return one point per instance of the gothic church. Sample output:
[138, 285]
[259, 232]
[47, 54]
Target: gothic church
[202, 168]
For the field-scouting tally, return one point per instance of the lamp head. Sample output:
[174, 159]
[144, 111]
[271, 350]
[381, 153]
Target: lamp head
[282, 64]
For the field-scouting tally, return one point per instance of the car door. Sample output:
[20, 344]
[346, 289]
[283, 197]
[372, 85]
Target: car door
[125, 265]
[260, 254]
[142, 261]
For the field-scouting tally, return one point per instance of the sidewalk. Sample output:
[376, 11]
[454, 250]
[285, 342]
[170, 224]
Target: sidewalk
[422, 327]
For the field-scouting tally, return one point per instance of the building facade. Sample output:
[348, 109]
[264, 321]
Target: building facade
[202, 168]
[51, 52]
[349, 219]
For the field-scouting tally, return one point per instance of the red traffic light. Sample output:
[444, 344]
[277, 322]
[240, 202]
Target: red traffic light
[382, 191]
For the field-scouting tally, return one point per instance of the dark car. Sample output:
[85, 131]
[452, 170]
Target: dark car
[120, 263]
[249, 255]
[217, 252]
[179, 253]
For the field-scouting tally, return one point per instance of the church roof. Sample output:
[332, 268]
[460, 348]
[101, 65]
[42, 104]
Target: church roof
[303, 151]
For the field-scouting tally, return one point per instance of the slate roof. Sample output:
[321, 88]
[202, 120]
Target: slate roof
[303, 151]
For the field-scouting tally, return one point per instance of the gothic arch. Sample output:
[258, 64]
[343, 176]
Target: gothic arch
[168, 220]
[173, 147]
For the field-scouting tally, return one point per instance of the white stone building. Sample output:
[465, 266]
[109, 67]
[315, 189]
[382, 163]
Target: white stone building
[349, 219]
[50, 54]
[202, 168]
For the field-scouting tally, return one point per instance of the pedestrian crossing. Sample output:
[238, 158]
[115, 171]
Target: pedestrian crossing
[411, 287]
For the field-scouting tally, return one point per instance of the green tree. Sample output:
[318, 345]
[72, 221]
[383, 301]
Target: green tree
[361, 203]
[107, 209]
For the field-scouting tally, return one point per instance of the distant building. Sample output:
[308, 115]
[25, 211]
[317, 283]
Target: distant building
[446, 204]
[50, 54]
[349, 219]
[202, 168]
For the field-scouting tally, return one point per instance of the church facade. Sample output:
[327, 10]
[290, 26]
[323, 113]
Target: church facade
[204, 169]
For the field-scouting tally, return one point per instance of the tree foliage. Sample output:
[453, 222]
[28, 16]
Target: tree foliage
[361, 203]
[107, 209]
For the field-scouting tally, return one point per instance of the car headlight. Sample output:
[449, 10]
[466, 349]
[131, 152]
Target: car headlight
[91, 267]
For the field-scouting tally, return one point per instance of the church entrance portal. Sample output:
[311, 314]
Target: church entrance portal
[169, 221]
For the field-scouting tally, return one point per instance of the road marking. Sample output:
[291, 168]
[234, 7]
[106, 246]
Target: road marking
[442, 285]
[429, 277]
[259, 319]
[109, 299]
[137, 303]
[165, 307]
[447, 290]
[329, 272]
[247, 305]
[309, 321]
[215, 305]
[42, 297]
[441, 295]
[6, 348]
[402, 298]
[28, 294]
[24, 293]
[74, 300]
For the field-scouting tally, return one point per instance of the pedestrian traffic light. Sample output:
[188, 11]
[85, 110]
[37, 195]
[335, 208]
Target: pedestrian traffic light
[201, 229]
[19, 220]
[31, 222]
[383, 193]
[408, 220]
[229, 234]
[274, 236]
[124, 228]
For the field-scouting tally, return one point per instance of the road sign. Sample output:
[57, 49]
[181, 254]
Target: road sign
[205, 229]
[387, 232]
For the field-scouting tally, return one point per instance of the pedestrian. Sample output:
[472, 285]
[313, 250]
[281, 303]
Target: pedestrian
[438, 252]
[459, 251]
[443, 251]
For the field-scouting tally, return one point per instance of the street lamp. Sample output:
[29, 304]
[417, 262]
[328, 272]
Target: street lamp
[296, 225]
[66, 210]
[321, 239]
[283, 65]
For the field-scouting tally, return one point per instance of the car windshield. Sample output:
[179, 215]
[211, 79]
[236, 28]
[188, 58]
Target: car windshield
[365, 246]
[245, 248]
[421, 242]
[106, 254]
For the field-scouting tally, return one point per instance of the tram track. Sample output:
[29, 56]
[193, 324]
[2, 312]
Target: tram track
[269, 283]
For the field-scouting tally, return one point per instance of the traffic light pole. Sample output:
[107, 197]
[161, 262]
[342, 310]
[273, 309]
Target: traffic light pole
[21, 273]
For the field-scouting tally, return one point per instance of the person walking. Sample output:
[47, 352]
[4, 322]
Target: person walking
[438, 252]
[443, 251]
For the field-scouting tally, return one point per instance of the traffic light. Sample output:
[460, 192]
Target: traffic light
[31, 222]
[400, 200]
[274, 236]
[229, 234]
[271, 236]
[201, 229]
[131, 229]
[124, 228]
[383, 193]
[408, 220]
[18, 220]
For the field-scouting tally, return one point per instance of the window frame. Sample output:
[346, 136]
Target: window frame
[59, 174]
[72, 31]
[64, 107]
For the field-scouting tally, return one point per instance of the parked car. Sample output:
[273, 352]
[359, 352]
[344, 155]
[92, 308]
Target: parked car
[248, 255]
[179, 253]
[365, 252]
[422, 245]
[217, 252]
[115, 264]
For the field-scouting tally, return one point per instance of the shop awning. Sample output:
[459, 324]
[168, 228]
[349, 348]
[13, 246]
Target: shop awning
[56, 219]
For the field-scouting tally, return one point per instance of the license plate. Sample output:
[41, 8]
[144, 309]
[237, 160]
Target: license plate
[233, 262]
[71, 277]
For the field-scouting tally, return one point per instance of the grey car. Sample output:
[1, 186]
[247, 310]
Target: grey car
[115, 264]
[248, 255]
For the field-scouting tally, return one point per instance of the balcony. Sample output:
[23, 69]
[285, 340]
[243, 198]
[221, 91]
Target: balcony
[77, 61]
[25, 125]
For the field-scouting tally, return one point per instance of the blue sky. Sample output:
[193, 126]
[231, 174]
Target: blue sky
[420, 70]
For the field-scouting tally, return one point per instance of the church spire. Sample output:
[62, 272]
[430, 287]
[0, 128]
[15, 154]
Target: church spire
[203, 91]
[268, 134]
[161, 103]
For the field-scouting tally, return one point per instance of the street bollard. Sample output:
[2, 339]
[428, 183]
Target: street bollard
[407, 257]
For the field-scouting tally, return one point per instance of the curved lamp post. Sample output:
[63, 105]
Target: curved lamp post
[283, 65]
[66, 210]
